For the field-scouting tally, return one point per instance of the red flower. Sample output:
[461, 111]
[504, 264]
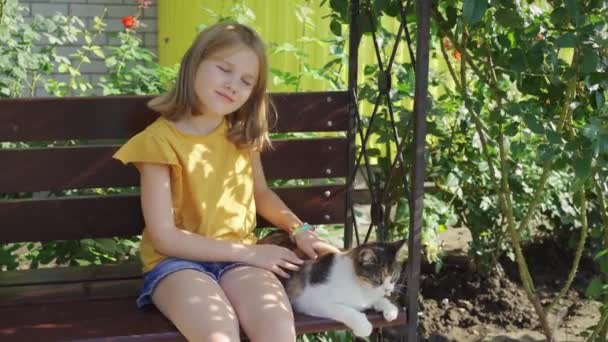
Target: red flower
[129, 21]
[447, 44]
[456, 55]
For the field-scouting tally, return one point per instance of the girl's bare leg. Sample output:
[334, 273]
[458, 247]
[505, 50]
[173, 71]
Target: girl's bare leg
[197, 306]
[261, 304]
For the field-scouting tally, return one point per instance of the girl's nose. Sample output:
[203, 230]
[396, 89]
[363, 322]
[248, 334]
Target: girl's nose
[230, 87]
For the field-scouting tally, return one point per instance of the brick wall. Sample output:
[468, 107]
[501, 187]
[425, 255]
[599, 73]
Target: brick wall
[86, 10]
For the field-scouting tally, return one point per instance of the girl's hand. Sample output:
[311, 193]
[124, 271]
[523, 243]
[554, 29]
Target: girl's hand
[310, 243]
[274, 258]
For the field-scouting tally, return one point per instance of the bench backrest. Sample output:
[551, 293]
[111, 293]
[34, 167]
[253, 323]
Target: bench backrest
[80, 135]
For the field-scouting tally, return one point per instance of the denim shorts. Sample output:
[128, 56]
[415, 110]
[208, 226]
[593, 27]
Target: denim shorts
[171, 265]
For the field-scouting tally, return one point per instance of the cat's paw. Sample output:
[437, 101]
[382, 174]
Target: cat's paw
[362, 329]
[390, 313]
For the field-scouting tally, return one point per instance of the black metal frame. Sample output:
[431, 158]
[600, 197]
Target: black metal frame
[416, 189]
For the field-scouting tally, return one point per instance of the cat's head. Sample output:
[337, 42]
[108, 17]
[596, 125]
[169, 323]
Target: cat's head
[379, 264]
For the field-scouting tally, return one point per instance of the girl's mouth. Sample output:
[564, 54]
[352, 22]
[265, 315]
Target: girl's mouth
[226, 97]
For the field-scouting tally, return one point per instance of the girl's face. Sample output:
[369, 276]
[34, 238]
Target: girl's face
[224, 80]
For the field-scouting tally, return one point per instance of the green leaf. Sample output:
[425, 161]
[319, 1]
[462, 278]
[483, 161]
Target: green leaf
[508, 18]
[535, 56]
[559, 17]
[533, 85]
[370, 69]
[534, 124]
[393, 9]
[106, 245]
[546, 153]
[582, 167]
[452, 181]
[598, 99]
[567, 40]
[604, 265]
[594, 290]
[381, 5]
[512, 129]
[517, 60]
[336, 27]
[595, 233]
[374, 152]
[518, 149]
[340, 7]
[592, 129]
[590, 61]
[452, 16]
[554, 138]
[111, 61]
[497, 116]
[573, 11]
[98, 52]
[473, 10]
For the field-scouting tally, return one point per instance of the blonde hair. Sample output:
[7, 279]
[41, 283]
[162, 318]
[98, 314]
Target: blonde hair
[248, 125]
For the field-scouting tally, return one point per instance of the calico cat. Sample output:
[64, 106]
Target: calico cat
[340, 286]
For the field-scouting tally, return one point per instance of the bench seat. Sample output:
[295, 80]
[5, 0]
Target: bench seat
[98, 303]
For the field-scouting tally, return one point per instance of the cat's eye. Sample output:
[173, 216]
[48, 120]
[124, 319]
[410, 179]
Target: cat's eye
[377, 282]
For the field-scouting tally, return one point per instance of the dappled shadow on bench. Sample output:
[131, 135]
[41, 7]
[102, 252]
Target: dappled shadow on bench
[104, 309]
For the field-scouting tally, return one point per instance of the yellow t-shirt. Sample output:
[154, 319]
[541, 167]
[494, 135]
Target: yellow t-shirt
[211, 183]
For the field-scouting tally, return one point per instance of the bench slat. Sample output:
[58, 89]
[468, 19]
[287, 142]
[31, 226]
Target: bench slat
[69, 292]
[80, 320]
[119, 117]
[118, 319]
[73, 274]
[81, 167]
[80, 217]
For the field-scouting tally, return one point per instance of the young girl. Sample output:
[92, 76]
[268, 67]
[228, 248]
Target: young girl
[201, 184]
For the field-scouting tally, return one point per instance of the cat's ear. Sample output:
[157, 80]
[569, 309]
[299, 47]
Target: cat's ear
[399, 243]
[402, 251]
[367, 256]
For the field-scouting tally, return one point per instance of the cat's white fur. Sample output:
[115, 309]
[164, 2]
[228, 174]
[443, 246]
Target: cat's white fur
[342, 298]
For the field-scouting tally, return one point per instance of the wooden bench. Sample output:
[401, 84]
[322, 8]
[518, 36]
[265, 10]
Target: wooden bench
[98, 302]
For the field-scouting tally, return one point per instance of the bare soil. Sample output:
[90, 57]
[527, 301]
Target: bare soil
[459, 304]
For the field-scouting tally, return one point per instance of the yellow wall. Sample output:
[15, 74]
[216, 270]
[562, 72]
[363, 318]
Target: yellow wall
[276, 22]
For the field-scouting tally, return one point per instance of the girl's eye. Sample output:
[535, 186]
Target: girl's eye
[222, 68]
[246, 83]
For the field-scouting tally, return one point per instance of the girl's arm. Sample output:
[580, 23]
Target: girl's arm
[273, 209]
[168, 239]
[267, 203]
